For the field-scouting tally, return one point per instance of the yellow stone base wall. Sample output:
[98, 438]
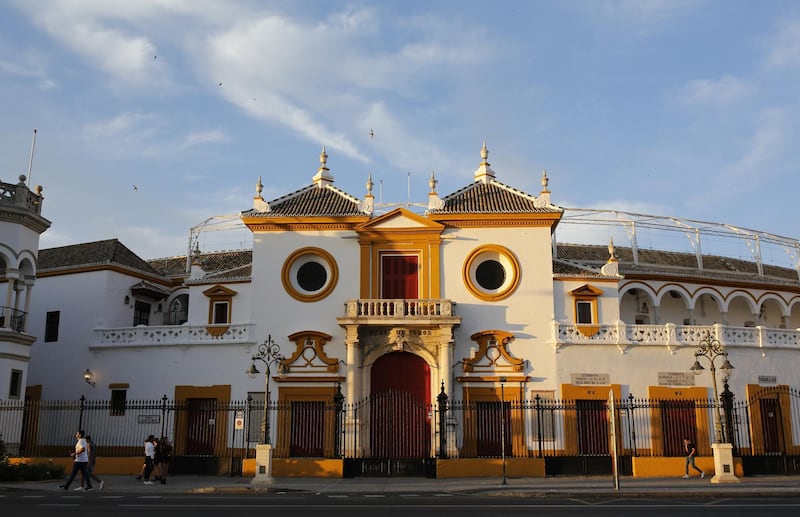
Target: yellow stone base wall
[474, 467]
[298, 467]
[653, 467]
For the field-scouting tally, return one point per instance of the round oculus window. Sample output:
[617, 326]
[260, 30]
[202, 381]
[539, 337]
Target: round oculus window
[309, 274]
[312, 276]
[491, 272]
[490, 275]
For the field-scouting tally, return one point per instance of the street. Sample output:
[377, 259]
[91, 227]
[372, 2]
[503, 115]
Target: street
[335, 505]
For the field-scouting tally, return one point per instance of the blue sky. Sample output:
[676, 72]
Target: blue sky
[670, 107]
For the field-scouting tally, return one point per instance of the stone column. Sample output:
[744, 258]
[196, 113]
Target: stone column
[11, 277]
[351, 446]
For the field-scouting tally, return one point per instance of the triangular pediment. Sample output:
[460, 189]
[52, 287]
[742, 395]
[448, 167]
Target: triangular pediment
[399, 219]
[219, 290]
[586, 290]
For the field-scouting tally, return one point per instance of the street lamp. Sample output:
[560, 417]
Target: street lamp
[503, 426]
[711, 349]
[269, 353]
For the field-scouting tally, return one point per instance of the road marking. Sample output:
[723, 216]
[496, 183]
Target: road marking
[374, 495]
[333, 496]
[32, 496]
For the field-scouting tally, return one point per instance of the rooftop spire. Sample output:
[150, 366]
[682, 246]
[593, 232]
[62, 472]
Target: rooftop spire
[258, 201]
[368, 204]
[323, 177]
[484, 174]
[434, 201]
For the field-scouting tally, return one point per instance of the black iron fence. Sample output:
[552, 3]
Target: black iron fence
[764, 428]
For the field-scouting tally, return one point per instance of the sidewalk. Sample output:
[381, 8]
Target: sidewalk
[759, 486]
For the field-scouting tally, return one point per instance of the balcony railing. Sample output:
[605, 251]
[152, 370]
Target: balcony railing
[398, 308]
[172, 335]
[672, 336]
[12, 319]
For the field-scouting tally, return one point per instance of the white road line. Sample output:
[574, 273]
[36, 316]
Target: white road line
[374, 495]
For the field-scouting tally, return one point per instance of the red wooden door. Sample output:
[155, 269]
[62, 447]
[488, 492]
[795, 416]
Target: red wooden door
[678, 421]
[770, 425]
[400, 426]
[400, 276]
[201, 432]
[592, 427]
[493, 422]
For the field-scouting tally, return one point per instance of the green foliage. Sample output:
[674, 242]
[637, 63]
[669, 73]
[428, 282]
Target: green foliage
[27, 471]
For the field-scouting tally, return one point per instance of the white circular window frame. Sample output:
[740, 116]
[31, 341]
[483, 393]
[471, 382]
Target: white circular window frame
[506, 259]
[301, 257]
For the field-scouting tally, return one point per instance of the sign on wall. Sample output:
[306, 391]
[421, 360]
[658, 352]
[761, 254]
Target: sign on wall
[676, 379]
[583, 379]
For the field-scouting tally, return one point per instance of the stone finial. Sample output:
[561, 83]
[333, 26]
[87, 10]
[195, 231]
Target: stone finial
[545, 181]
[367, 205]
[258, 202]
[323, 177]
[611, 267]
[484, 173]
[434, 201]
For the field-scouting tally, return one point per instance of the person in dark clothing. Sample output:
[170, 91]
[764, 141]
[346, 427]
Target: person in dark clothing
[691, 452]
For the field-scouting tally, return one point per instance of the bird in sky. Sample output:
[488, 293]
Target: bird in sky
[135, 188]
[155, 57]
[220, 84]
[371, 134]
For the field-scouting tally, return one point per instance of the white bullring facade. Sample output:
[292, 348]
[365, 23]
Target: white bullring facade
[474, 298]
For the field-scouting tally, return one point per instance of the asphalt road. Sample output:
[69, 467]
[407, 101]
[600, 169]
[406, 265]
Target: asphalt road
[349, 505]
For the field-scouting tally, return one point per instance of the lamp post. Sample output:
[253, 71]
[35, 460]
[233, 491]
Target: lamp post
[503, 426]
[711, 349]
[269, 353]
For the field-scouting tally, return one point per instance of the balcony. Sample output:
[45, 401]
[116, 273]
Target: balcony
[672, 336]
[172, 335]
[396, 311]
[12, 319]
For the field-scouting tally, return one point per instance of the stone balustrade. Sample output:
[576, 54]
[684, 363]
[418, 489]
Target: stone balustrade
[397, 308]
[172, 335]
[671, 335]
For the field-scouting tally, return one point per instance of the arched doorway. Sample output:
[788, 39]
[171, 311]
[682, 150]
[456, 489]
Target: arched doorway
[400, 407]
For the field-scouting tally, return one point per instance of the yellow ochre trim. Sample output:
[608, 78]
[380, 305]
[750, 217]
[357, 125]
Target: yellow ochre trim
[472, 285]
[327, 288]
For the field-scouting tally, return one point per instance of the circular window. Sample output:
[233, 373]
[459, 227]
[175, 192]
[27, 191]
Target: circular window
[312, 276]
[309, 274]
[490, 275]
[491, 272]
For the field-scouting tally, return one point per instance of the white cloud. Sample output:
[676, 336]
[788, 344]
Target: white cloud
[766, 144]
[205, 137]
[720, 92]
[138, 125]
[316, 79]
[28, 64]
[785, 51]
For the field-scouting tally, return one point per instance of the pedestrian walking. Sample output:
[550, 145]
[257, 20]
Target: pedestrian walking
[80, 463]
[691, 453]
[162, 459]
[147, 467]
[92, 450]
